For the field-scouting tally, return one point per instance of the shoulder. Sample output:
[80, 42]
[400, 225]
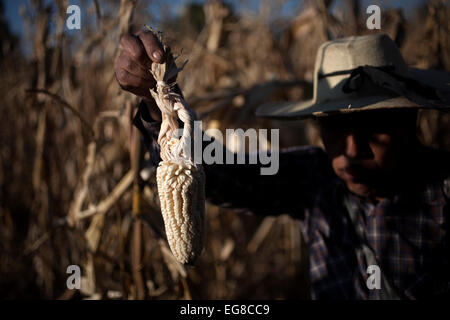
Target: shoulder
[305, 165]
[311, 156]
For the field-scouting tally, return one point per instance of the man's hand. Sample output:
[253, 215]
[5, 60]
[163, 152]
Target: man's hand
[132, 67]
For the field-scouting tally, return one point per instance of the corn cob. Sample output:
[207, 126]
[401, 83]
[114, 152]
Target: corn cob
[181, 182]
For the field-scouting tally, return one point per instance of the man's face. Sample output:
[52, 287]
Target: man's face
[366, 148]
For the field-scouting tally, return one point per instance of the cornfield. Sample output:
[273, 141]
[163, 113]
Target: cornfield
[77, 187]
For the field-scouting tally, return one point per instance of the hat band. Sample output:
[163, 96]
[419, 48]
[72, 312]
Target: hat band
[351, 71]
[384, 77]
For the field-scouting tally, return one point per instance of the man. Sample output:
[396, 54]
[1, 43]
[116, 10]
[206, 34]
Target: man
[377, 205]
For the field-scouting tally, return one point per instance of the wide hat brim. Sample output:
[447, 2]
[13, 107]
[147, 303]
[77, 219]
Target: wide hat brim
[310, 109]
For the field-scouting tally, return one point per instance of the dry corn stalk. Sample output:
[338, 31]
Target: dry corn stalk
[181, 182]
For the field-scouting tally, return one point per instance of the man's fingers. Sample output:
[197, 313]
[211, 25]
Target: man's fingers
[135, 48]
[127, 63]
[133, 64]
[152, 46]
[142, 92]
[127, 81]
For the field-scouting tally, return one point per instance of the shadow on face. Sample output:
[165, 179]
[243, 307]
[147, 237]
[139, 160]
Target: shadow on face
[367, 148]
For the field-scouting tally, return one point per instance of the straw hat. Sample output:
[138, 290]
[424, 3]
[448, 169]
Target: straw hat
[364, 73]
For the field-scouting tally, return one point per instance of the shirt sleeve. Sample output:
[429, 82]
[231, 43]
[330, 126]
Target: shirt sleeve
[301, 171]
[291, 190]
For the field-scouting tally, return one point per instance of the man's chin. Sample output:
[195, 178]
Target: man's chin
[359, 189]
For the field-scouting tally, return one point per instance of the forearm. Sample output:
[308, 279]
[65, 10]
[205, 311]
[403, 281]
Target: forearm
[242, 186]
[301, 171]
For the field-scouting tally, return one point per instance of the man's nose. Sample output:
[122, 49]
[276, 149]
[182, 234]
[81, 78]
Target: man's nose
[351, 146]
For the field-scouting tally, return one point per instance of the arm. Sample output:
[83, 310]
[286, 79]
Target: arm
[301, 170]
[241, 186]
[290, 190]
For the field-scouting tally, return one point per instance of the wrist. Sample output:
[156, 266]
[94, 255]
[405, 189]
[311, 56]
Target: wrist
[153, 113]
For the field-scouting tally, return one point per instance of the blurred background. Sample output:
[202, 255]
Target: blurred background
[71, 190]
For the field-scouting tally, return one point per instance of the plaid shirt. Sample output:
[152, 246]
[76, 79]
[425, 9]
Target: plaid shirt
[408, 233]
